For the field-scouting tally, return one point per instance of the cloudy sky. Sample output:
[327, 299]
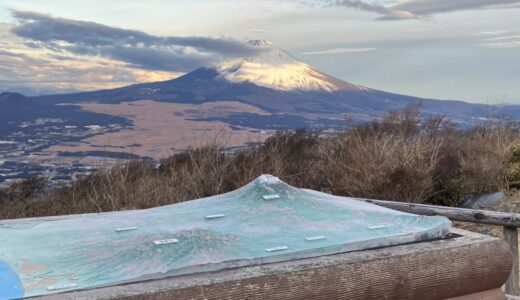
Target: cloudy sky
[446, 49]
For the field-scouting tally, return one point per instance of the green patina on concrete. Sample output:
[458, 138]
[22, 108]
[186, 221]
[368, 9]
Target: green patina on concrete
[264, 221]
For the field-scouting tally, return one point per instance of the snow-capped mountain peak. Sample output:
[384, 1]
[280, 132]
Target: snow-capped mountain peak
[275, 68]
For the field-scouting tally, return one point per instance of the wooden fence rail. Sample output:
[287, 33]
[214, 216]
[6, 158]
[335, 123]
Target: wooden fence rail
[509, 221]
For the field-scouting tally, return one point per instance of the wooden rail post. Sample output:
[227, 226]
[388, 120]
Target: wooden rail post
[509, 221]
[513, 283]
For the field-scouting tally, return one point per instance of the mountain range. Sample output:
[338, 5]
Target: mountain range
[275, 81]
[267, 91]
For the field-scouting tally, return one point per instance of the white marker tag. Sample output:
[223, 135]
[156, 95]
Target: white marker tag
[315, 238]
[217, 216]
[167, 241]
[61, 287]
[274, 249]
[126, 229]
[270, 197]
[377, 227]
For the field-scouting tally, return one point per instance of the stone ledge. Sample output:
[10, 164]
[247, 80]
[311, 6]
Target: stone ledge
[469, 264]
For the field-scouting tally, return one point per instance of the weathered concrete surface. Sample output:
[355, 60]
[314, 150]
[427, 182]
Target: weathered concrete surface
[472, 265]
[263, 222]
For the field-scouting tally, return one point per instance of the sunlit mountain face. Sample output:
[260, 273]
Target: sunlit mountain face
[277, 69]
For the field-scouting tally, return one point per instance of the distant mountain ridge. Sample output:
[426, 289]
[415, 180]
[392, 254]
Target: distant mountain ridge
[14, 106]
[8, 98]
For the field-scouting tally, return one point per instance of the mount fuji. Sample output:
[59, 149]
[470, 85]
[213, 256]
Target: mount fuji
[277, 82]
[243, 100]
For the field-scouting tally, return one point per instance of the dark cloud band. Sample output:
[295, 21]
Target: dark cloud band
[137, 48]
[417, 9]
[429, 7]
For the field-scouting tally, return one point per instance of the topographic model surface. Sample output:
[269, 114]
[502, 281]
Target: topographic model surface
[265, 221]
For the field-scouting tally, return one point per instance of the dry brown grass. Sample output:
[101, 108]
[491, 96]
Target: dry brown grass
[402, 156]
[382, 166]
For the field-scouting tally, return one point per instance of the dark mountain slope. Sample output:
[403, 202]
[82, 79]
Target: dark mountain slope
[16, 108]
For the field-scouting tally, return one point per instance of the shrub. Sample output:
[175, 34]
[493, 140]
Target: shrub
[403, 156]
[513, 172]
[391, 158]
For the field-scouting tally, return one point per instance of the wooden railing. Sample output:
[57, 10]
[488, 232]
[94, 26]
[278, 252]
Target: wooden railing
[509, 221]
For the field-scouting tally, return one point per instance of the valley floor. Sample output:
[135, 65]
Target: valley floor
[162, 129]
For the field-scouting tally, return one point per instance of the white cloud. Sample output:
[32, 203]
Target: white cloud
[494, 32]
[504, 45]
[40, 70]
[338, 51]
[504, 39]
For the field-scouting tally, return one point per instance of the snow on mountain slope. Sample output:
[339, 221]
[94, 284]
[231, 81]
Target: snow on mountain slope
[277, 69]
